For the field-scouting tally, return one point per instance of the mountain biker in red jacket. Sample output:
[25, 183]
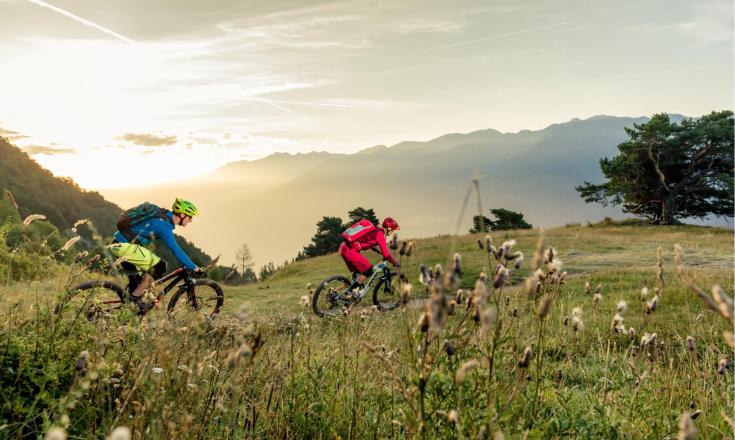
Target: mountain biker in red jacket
[375, 240]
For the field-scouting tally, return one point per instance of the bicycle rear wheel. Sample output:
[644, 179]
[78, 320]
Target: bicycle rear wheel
[385, 294]
[328, 297]
[93, 300]
[204, 298]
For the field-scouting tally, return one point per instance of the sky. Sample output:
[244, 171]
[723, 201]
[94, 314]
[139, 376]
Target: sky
[122, 93]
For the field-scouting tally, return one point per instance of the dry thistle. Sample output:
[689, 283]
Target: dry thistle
[459, 296]
[549, 255]
[723, 365]
[690, 344]
[32, 218]
[453, 417]
[120, 433]
[81, 365]
[488, 243]
[644, 293]
[406, 291]
[518, 257]
[56, 432]
[411, 248]
[480, 244]
[488, 316]
[242, 313]
[678, 258]
[501, 278]
[457, 264]
[587, 288]
[404, 248]
[424, 276]
[617, 323]
[687, 430]
[651, 305]
[451, 307]
[724, 303]
[538, 255]
[424, 322]
[464, 369]
[577, 323]
[555, 266]
[597, 298]
[525, 359]
[648, 338]
[622, 306]
[506, 248]
[598, 289]
[393, 242]
[545, 306]
[305, 301]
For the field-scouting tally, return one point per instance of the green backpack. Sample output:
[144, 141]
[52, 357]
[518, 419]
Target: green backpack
[144, 211]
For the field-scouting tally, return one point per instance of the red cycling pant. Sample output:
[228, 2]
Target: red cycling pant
[354, 260]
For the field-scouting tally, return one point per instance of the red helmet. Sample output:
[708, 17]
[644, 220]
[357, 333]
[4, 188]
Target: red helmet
[390, 223]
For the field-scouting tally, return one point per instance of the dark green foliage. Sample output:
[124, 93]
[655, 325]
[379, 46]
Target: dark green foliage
[267, 270]
[480, 223]
[361, 213]
[61, 200]
[668, 171]
[328, 237]
[504, 220]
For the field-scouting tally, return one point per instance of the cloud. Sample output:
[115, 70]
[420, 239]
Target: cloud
[11, 135]
[423, 26]
[149, 140]
[41, 149]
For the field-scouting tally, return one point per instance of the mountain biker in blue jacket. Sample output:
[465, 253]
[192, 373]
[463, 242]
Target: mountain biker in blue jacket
[144, 260]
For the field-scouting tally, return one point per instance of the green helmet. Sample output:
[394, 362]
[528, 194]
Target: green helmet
[182, 206]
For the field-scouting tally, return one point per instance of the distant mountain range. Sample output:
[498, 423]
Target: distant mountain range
[273, 204]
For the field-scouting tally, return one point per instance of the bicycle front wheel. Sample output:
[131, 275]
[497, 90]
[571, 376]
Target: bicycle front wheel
[385, 294]
[328, 298]
[205, 297]
[92, 300]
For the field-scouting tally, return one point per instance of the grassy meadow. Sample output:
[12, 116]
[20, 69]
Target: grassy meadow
[544, 360]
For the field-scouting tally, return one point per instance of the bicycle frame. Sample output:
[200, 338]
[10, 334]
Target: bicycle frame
[377, 274]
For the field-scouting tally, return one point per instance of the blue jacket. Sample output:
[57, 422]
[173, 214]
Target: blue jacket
[149, 230]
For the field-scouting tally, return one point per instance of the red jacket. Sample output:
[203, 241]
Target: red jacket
[374, 240]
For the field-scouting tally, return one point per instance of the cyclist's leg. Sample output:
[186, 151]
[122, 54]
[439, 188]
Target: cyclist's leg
[355, 262]
[144, 260]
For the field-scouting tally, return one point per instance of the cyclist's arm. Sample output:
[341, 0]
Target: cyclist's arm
[380, 238]
[167, 235]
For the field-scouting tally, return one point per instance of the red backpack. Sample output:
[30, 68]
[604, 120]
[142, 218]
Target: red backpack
[357, 231]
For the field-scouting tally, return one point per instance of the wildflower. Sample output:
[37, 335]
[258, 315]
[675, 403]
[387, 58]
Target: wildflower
[424, 323]
[506, 247]
[464, 369]
[242, 313]
[644, 293]
[549, 255]
[555, 266]
[651, 305]
[456, 264]
[525, 359]
[577, 323]
[453, 416]
[597, 298]
[424, 276]
[56, 433]
[501, 278]
[622, 306]
[648, 338]
[690, 344]
[723, 365]
[32, 218]
[598, 289]
[81, 365]
[687, 431]
[480, 244]
[631, 332]
[404, 248]
[677, 258]
[577, 311]
[617, 322]
[545, 306]
[587, 287]
[70, 243]
[406, 290]
[411, 248]
[120, 433]
[438, 271]
[488, 243]
[157, 370]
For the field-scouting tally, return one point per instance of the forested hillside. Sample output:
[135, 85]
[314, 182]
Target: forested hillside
[36, 191]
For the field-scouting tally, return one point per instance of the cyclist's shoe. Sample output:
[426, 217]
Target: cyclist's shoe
[355, 293]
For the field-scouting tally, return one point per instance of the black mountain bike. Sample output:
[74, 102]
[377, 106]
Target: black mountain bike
[337, 293]
[100, 298]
